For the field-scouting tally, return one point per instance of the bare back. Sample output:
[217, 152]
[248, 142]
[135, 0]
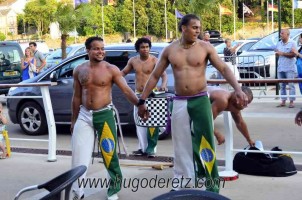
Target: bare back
[95, 84]
[143, 70]
[189, 67]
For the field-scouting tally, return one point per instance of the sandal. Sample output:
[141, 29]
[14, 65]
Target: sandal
[291, 106]
[281, 105]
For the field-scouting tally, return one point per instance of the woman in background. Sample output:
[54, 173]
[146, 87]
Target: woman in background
[28, 64]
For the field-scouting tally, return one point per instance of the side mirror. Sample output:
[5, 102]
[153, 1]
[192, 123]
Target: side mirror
[239, 52]
[53, 76]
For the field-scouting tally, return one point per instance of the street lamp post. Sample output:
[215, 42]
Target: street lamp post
[134, 33]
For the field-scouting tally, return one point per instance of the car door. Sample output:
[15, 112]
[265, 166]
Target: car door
[61, 94]
[120, 59]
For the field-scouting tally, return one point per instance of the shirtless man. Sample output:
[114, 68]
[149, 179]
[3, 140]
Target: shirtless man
[223, 100]
[192, 122]
[143, 65]
[92, 110]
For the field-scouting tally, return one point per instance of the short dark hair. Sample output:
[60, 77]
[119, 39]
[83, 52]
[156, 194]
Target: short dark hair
[140, 41]
[91, 39]
[185, 20]
[33, 43]
[248, 92]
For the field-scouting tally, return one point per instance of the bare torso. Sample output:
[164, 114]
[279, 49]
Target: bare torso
[224, 100]
[189, 67]
[96, 84]
[142, 70]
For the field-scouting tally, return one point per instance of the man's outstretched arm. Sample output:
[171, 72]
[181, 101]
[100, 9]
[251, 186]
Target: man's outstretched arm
[242, 127]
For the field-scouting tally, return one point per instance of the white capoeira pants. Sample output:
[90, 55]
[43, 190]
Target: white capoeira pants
[83, 137]
[147, 137]
[192, 136]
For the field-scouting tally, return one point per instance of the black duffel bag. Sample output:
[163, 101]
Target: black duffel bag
[262, 164]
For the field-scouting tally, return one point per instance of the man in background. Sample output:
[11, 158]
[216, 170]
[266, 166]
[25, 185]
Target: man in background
[41, 62]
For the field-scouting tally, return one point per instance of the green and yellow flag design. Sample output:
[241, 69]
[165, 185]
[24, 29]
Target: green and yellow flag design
[107, 144]
[207, 154]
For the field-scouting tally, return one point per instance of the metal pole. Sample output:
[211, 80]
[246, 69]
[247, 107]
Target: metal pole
[243, 18]
[219, 18]
[134, 33]
[176, 29]
[103, 27]
[279, 30]
[52, 133]
[234, 20]
[166, 23]
[267, 16]
[293, 15]
[272, 15]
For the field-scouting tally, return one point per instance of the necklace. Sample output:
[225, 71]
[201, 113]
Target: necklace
[188, 46]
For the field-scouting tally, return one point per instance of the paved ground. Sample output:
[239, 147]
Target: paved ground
[273, 126]
[22, 170]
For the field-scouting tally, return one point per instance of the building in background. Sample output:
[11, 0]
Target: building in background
[9, 10]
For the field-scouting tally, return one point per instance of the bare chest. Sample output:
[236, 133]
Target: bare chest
[97, 77]
[143, 68]
[190, 58]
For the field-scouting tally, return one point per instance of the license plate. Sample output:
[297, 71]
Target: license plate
[13, 73]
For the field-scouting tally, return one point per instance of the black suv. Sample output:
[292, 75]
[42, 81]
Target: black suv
[10, 63]
[29, 113]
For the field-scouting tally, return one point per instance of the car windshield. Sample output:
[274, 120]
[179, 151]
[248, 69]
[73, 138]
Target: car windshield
[269, 42]
[219, 48]
[57, 54]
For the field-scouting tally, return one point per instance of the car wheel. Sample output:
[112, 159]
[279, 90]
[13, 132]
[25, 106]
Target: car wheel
[163, 134]
[32, 119]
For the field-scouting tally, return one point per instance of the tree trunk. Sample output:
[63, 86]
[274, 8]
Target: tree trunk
[63, 45]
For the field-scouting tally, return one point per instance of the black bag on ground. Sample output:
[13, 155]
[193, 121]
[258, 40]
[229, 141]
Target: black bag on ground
[262, 164]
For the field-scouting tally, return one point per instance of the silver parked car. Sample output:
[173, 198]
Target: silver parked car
[56, 57]
[29, 113]
[260, 60]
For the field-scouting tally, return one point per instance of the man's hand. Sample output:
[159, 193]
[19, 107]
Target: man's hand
[142, 112]
[298, 118]
[241, 98]
[163, 88]
[220, 138]
[278, 53]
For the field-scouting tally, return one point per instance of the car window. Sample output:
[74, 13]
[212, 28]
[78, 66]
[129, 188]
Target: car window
[219, 48]
[119, 57]
[246, 46]
[66, 70]
[57, 54]
[81, 50]
[269, 42]
[10, 61]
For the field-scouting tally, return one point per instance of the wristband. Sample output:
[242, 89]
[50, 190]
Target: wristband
[140, 102]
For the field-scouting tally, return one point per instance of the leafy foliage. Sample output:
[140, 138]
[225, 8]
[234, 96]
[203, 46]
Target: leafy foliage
[149, 15]
[2, 36]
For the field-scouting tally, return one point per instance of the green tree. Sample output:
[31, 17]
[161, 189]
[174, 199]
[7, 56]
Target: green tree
[66, 17]
[40, 12]
[2, 36]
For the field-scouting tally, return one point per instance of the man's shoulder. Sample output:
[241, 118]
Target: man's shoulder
[38, 54]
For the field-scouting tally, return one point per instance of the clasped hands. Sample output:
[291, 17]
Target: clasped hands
[143, 112]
